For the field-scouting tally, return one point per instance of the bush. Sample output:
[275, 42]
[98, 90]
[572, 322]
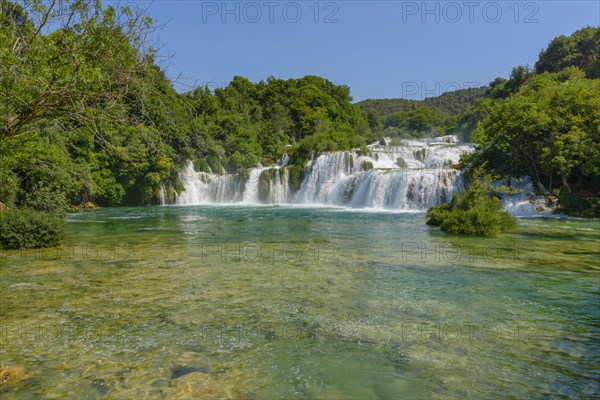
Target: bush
[476, 212]
[214, 163]
[579, 204]
[26, 228]
[47, 200]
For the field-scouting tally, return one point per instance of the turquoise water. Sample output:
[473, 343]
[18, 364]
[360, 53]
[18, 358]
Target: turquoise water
[298, 303]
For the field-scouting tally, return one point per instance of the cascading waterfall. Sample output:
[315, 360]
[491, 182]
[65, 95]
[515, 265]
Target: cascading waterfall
[208, 188]
[412, 176]
[166, 194]
[162, 196]
[526, 203]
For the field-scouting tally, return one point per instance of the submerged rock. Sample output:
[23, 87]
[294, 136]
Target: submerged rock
[10, 376]
[181, 370]
[198, 385]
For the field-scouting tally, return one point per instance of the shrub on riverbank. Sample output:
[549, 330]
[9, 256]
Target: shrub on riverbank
[22, 228]
[475, 212]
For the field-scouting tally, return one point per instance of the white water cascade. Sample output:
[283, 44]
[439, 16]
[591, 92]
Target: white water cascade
[526, 203]
[261, 185]
[167, 194]
[412, 176]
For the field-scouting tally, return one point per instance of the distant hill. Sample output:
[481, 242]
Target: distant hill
[455, 102]
[450, 102]
[385, 107]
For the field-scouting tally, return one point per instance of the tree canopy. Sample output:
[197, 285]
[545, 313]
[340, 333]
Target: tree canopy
[87, 114]
[545, 123]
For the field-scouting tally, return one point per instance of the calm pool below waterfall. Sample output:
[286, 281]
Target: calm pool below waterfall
[301, 303]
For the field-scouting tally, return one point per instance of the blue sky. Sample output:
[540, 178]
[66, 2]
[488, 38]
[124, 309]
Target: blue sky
[381, 49]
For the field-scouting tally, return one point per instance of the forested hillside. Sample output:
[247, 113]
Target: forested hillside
[433, 116]
[451, 102]
[456, 101]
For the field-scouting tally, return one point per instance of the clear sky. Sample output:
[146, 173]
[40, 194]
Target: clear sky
[381, 49]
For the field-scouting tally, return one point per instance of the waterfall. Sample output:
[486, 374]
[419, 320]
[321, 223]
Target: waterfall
[208, 188]
[526, 203]
[261, 185]
[162, 197]
[166, 194]
[250, 195]
[412, 176]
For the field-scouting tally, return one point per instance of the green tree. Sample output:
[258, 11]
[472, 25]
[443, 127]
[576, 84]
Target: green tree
[581, 50]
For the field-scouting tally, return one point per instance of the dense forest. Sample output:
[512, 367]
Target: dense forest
[433, 116]
[544, 123]
[89, 115]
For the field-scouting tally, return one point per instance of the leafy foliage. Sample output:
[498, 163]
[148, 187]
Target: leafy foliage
[27, 228]
[545, 124]
[385, 107]
[581, 50]
[245, 123]
[86, 114]
[420, 122]
[475, 212]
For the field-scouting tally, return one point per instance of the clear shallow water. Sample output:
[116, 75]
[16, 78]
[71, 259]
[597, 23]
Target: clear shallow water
[277, 302]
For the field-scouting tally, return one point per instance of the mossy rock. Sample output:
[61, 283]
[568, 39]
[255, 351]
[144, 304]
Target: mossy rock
[201, 165]
[88, 206]
[10, 376]
[296, 176]
[198, 385]
[264, 184]
[366, 166]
